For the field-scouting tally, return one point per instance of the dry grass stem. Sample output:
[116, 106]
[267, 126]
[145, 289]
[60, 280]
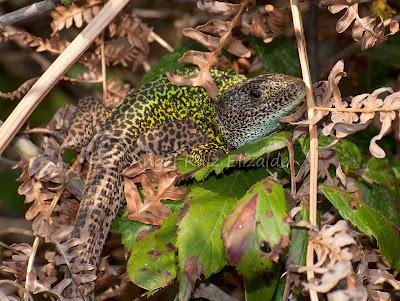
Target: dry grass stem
[29, 267]
[355, 110]
[313, 155]
[103, 69]
[161, 41]
[292, 169]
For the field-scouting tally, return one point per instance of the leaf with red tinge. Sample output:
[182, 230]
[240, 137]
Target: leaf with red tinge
[200, 225]
[193, 268]
[152, 263]
[257, 229]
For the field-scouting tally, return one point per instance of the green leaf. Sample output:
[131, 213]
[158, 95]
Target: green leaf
[379, 171]
[279, 56]
[280, 289]
[66, 3]
[128, 229]
[299, 240]
[165, 64]
[388, 54]
[185, 165]
[380, 198]
[263, 287]
[369, 221]
[304, 141]
[152, 263]
[244, 154]
[199, 234]
[349, 155]
[257, 229]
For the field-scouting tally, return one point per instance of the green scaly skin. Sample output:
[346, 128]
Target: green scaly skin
[165, 119]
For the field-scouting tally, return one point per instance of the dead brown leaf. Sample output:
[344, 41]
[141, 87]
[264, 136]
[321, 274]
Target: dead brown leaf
[216, 35]
[369, 30]
[115, 93]
[355, 113]
[25, 87]
[203, 77]
[157, 179]
[64, 17]
[219, 7]
[19, 261]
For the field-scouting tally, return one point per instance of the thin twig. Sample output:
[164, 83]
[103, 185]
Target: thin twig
[158, 13]
[42, 87]
[146, 66]
[44, 131]
[286, 291]
[29, 12]
[29, 267]
[103, 68]
[313, 154]
[7, 161]
[5, 246]
[27, 150]
[355, 110]
[18, 231]
[78, 80]
[292, 170]
[312, 28]
[161, 41]
[37, 239]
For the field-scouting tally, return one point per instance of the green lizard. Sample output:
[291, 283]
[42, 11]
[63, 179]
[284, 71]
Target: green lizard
[162, 118]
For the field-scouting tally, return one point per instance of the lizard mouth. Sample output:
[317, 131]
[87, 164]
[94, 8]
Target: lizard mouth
[300, 87]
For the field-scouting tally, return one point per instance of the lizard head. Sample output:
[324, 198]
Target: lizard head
[250, 110]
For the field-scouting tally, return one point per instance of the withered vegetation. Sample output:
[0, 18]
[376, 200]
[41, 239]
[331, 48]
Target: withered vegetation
[348, 264]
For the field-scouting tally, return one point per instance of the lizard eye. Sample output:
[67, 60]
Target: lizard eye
[255, 94]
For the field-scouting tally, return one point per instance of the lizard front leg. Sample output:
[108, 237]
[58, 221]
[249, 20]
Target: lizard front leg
[204, 153]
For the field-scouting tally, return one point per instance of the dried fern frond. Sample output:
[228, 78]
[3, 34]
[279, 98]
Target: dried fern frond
[54, 45]
[369, 30]
[129, 42]
[266, 24]
[25, 87]
[119, 53]
[131, 27]
[215, 35]
[64, 17]
[19, 261]
[356, 113]
[115, 93]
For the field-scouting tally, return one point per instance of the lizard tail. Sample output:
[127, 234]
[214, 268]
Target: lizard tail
[102, 199]
[97, 211]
